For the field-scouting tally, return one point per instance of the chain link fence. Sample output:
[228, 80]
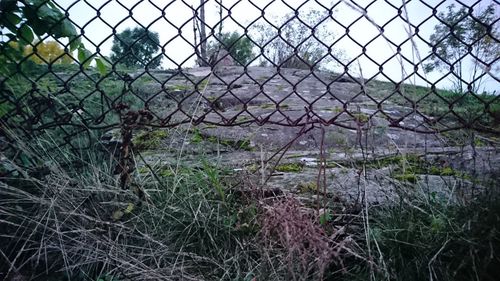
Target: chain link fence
[72, 70]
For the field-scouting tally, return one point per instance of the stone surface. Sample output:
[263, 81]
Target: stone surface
[362, 133]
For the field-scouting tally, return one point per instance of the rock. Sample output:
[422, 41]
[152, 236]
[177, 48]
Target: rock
[274, 105]
[111, 140]
[222, 60]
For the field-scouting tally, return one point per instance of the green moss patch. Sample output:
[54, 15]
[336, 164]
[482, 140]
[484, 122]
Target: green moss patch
[267, 105]
[361, 117]
[238, 144]
[408, 167]
[243, 144]
[410, 177]
[180, 87]
[305, 187]
[197, 137]
[290, 167]
[149, 139]
[202, 84]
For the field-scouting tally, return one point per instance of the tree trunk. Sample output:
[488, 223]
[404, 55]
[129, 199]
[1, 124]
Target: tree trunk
[203, 35]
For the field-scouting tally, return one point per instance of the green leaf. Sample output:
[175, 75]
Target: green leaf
[64, 29]
[102, 66]
[38, 26]
[84, 57]
[26, 34]
[37, 3]
[52, 15]
[75, 43]
[11, 20]
[325, 217]
[8, 6]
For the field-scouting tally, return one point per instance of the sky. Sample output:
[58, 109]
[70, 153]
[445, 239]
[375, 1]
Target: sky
[99, 19]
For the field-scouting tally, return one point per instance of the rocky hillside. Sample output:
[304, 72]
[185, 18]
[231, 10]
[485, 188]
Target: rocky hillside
[268, 126]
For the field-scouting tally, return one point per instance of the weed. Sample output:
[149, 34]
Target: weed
[290, 167]
[196, 137]
[325, 217]
[85, 225]
[305, 249]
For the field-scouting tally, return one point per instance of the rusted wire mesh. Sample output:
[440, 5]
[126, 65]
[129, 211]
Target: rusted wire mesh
[286, 81]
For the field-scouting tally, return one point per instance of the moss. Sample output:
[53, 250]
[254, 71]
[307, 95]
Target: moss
[238, 144]
[305, 187]
[361, 117]
[149, 139]
[409, 161]
[478, 142]
[243, 119]
[410, 177]
[447, 171]
[267, 105]
[335, 109]
[180, 87]
[434, 170]
[440, 171]
[196, 137]
[290, 167]
[202, 84]
[143, 170]
[262, 78]
[272, 105]
[244, 144]
[211, 126]
[252, 168]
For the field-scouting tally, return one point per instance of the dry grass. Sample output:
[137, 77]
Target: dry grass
[294, 234]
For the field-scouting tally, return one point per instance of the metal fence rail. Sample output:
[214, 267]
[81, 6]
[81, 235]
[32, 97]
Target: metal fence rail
[301, 65]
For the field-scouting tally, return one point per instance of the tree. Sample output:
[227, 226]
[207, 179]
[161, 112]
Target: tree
[459, 37]
[21, 21]
[136, 48]
[240, 47]
[299, 40]
[200, 49]
[47, 52]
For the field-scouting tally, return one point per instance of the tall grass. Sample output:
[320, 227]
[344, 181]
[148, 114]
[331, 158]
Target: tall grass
[74, 223]
[429, 239]
[64, 225]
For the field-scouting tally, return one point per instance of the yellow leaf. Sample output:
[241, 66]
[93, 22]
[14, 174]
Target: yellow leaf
[118, 214]
[129, 208]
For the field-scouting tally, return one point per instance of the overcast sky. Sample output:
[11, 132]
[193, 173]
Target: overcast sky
[178, 14]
